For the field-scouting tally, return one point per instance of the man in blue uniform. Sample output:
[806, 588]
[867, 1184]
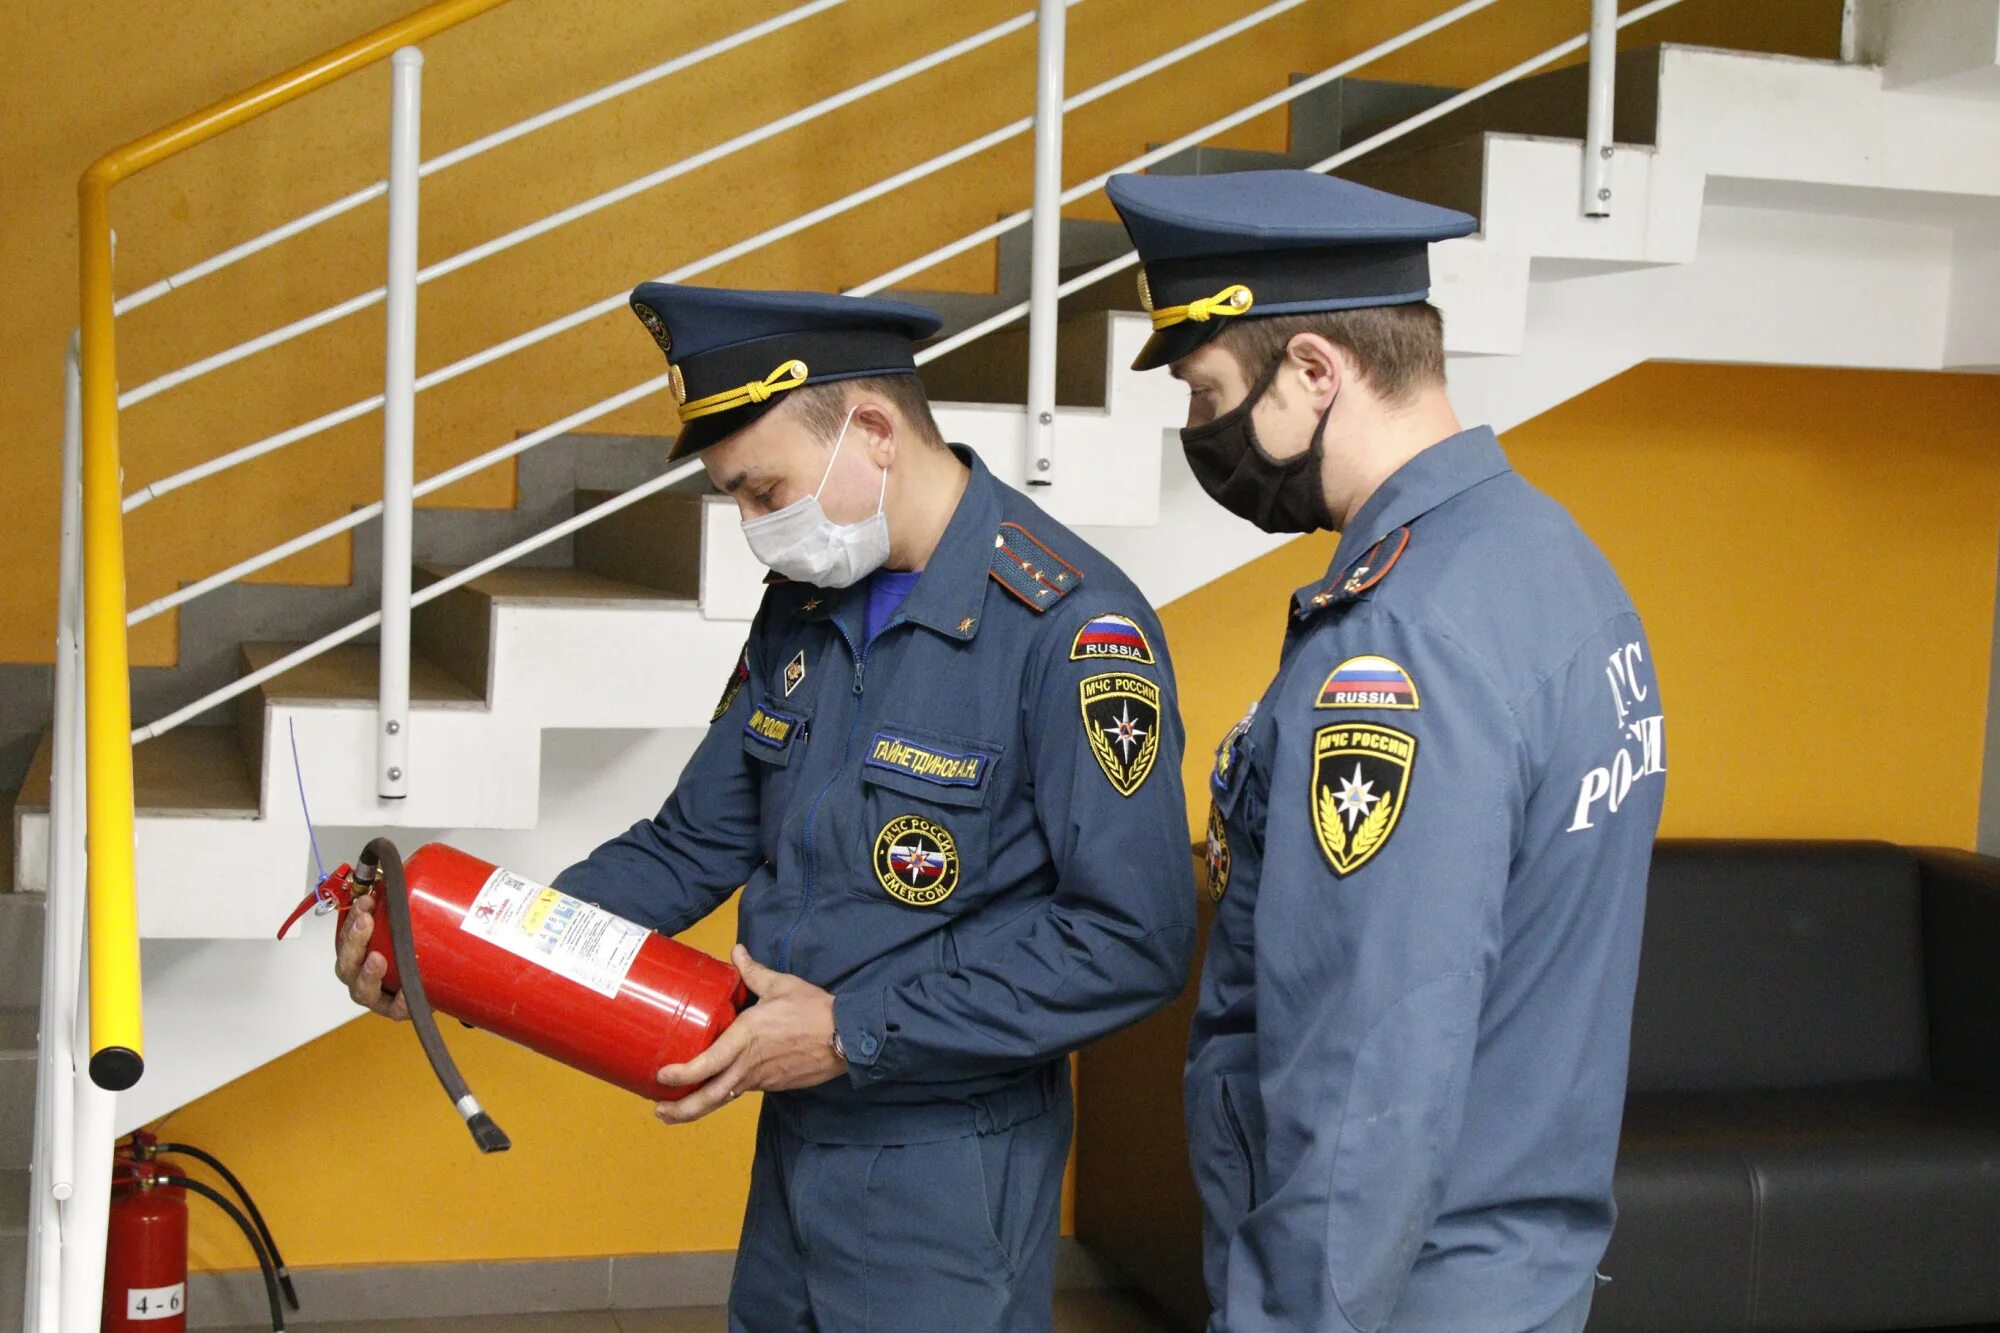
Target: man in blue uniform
[1430, 837]
[946, 772]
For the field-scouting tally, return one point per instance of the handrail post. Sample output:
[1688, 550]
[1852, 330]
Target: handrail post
[1597, 123]
[1045, 253]
[50, 1181]
[399, 405]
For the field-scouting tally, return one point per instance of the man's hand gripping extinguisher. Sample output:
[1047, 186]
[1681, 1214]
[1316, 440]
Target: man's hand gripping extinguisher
[534, 965]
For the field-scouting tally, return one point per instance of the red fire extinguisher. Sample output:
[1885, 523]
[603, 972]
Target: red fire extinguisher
[558, 975]
[146, 1245]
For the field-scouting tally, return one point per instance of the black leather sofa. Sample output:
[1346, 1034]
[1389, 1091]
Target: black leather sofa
[1812, 1137]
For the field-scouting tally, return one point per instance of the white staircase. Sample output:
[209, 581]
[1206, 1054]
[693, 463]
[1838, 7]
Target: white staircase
[1767, 210]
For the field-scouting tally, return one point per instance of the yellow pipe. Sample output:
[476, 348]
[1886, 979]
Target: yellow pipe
[117, 1044]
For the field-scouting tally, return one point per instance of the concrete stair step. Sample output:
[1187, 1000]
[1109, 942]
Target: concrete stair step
[454, 631]
[14, 1186]
[10, 832]
[189, 771]
[1552, 104]
[1336, 115]
[17, 1087]
[651, 547]
[995, 369]
[22, 918]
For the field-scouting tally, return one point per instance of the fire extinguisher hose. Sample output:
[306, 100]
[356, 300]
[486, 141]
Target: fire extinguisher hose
[396, 893]
[249, 1206]
[217, 1198]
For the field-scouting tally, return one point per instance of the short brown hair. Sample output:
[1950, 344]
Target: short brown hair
[823, 407]
[1398, 348]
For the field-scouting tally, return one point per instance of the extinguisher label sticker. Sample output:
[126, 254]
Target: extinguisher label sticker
[147, 1303]
[566, 935]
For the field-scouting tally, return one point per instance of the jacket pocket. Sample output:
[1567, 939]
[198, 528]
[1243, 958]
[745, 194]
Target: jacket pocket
[925, 821]
[774, 740]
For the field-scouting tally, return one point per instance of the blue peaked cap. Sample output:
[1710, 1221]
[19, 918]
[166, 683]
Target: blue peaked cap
[1259, 243]
[734, 354]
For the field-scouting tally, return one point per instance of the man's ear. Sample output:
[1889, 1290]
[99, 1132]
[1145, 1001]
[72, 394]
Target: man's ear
[879, 428]
[1315, 367]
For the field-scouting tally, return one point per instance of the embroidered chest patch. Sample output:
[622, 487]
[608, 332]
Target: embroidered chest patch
[916, 860]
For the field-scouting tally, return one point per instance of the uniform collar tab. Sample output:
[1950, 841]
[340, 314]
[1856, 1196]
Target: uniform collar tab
[951, 596]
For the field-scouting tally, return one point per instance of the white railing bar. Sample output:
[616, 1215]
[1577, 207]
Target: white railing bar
[466, 152]
[542, 333]
[359, 516]
[1598, 112]
[152, 491]
[245, 684]
[399, 410]
[1045, 244]
[1166, 150]
[430, 593]
[1005, 317]
[298, 328]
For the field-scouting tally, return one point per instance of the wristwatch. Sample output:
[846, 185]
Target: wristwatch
[838, 1049]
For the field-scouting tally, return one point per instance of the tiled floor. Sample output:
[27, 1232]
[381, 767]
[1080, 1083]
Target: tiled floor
[1076, 1312]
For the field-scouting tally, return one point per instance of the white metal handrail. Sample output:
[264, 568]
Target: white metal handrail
[596, 203]
[617, 300]
[466, 152]
[928, 354]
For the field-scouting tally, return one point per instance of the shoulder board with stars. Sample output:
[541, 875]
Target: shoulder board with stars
[1030, 570]
[1361, 576]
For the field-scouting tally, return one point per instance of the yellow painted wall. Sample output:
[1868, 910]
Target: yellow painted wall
[1679, 471]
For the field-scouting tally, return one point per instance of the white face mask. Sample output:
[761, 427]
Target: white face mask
[802, 543]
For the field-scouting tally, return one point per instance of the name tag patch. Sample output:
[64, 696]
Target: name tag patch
[943, 767]
[769, 727]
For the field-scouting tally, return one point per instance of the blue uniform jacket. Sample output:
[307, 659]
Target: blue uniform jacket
[971, 830]
[1431, 837]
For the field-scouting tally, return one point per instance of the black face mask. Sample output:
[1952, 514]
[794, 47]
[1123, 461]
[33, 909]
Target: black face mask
[1233, 468]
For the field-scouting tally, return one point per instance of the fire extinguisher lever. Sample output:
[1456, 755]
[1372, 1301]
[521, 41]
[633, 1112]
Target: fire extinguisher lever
[382, 854]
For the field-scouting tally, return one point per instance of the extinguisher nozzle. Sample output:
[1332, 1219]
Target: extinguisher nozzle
[489, 1136]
